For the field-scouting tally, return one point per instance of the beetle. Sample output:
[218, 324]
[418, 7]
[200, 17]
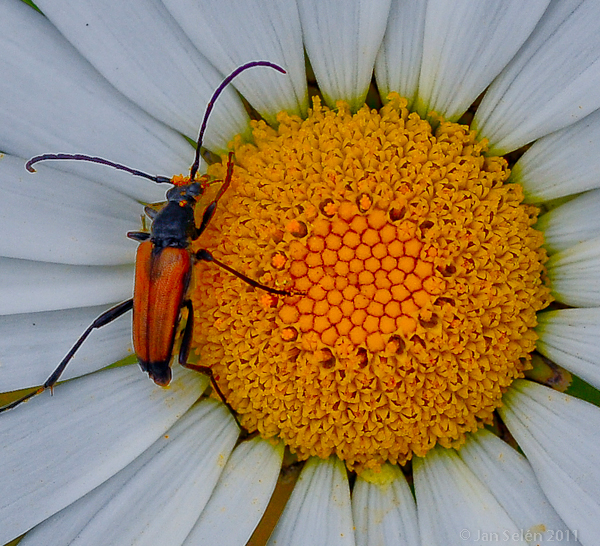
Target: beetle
[163, 266]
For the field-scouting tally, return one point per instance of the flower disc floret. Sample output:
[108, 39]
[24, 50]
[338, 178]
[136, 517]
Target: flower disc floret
[415, 274]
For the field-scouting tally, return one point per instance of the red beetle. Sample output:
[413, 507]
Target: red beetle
[163, 266]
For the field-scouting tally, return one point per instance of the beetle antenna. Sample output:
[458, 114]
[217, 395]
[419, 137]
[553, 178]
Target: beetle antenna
[92, 159]
[211, 104]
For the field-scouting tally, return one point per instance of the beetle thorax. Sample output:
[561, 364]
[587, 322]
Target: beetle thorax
[173, 225]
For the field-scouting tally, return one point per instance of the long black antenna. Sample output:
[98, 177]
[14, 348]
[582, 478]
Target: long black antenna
[92, 159]
[159, 179]
[211, 104]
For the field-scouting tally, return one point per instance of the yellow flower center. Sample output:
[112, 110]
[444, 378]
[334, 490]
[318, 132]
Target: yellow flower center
[416, 277]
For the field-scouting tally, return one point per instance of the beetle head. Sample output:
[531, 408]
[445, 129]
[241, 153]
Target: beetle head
[185, 194]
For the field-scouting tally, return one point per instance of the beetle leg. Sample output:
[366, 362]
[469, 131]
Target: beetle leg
[184, 352]
[105, 318]
[139, 236]
[151, 212]
[205, 255]
[184, 349]
[209, 211]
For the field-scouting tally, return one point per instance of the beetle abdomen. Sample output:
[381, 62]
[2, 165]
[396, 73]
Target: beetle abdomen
[161, 280]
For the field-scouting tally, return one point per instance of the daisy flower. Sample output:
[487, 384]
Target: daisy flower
[423, 181]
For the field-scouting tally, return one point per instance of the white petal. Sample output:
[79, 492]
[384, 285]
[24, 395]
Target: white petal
[33, 344]
[342, 39]
[318, 511]
[562, 163]
[574, 274]
[573, 222]
[241, 495]
[466, 45]
[55, 449]
[398, 63]
[140, 49]
[571, 338]
[550, 84]
[29, 287]
[385, 514]
[559, 435]
[512, 481]
[231, 33]
[57, 217]
[54, 101]
[454, 507]
[158, 497]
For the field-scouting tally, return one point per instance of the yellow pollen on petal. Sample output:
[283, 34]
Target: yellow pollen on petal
[180, 180]
[415, 276]
[183, 180]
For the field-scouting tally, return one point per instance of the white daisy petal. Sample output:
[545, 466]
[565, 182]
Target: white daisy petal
[454, 507]
[57, 449]
[54, 101]
[571, 338]
[562, 163]
[57, 217]
[242, 492]
[512, 481]
[571, 223]
[140, 49]
[550, 84]
[64, 526]
[231, 33]
[385, 514]
[573, 274]
[342, 39]
[398, 63]
[559, 435]
[158, 497]
[318, 511]
[466, 45]
[28, 287]
[33, 344]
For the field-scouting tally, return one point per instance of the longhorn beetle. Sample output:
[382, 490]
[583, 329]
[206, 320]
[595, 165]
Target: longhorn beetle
[163, 266]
